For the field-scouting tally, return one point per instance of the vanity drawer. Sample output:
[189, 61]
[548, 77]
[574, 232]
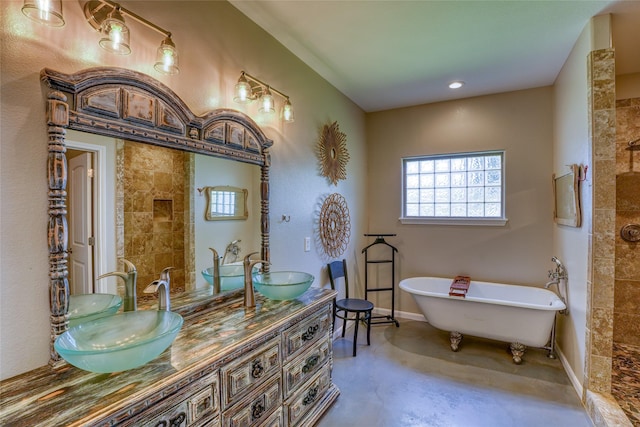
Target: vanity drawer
[299, 337]
[248, 372]
[203, 403]
[188, 409]
[304, 366]
[256, 408]
[304, 400]
[274, 420]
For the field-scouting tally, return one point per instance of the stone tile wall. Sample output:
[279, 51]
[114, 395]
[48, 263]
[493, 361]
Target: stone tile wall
[154, 212]
[626, 329]
[602, 114]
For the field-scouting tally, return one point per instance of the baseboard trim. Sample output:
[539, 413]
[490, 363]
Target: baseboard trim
[400, 314]
[577, 385]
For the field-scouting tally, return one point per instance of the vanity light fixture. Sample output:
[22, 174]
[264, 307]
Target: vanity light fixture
[456, 85]
[250, 89]
[116, 34]
[108, 18]
[48, 12]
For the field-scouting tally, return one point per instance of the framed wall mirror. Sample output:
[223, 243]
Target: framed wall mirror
[132, 107]
[567, 198]
[226, 202]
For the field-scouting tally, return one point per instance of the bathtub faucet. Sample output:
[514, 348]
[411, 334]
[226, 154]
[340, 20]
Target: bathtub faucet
[559, 278]
[560, 273]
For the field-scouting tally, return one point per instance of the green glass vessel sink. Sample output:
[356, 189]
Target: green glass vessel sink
[282, 285]
[231, 276]
[119, 342]
[86, 307]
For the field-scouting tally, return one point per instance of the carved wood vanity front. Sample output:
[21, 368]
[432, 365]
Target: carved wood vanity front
[229, 366]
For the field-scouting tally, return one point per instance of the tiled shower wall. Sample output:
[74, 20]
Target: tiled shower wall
[154, 212]
[602, 115]
[626, 323]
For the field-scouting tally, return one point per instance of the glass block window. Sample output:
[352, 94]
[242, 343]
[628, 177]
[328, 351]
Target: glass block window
[223, 203]
[454, 186]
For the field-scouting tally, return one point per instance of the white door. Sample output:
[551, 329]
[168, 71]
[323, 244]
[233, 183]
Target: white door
[80, 224]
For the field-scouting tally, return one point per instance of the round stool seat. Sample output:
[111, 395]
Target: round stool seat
[354, 304]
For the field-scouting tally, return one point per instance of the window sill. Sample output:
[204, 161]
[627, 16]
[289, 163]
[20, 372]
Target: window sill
[492, 222]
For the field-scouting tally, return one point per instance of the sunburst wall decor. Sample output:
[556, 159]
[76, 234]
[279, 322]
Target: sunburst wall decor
[335, 225]
[333, 154]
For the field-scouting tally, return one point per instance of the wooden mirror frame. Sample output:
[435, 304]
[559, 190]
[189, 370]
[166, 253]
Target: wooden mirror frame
[566, 195]
[129, 105]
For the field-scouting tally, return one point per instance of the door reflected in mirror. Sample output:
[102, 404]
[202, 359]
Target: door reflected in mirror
[225, 202]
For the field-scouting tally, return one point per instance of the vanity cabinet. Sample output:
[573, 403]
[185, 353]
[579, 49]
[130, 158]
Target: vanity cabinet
[269, 366]
[255, 386]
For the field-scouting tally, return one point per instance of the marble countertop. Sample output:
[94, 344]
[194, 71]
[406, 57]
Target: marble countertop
[212, 331]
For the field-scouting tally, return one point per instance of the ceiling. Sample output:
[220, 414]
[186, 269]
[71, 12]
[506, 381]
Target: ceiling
[391, 53]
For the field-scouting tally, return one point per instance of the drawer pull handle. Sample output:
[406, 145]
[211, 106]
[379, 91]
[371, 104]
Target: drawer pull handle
[311, 362]
[257, 409]
[311, 396]
[311, 332]
[257, 369]
[177, 420]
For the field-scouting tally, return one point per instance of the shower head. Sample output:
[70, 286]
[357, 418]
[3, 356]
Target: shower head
[634, 145]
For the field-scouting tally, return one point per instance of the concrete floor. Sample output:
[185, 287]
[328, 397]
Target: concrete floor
[410, 377]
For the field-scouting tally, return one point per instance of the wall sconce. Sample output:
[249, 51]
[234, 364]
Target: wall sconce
[108, 18]
[249, 89]
[48, 12]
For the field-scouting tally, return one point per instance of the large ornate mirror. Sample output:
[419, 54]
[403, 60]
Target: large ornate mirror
[140, 113]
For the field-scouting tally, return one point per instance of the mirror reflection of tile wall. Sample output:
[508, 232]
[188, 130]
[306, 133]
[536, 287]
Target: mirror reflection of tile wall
[154, 212]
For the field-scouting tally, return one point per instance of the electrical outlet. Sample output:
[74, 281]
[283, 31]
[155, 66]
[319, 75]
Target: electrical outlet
[307, 244]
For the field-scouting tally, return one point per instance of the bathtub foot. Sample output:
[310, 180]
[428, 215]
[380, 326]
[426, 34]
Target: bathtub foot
[455, 338]
[517, 351]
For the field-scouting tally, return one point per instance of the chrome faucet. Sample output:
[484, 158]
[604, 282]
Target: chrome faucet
[216, 271]
[249, 294]
[233, 249]
[130, 277]
[163, 287]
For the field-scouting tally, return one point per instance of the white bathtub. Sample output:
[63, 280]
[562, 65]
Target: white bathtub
[520, 315]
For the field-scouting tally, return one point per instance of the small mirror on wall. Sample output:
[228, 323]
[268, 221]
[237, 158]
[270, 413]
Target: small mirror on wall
[226, 203]
[567, 198]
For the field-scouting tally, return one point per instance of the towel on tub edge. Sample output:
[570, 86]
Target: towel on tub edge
[459, 286]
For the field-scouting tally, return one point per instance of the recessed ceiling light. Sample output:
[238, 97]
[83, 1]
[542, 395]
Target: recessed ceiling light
[456, 85]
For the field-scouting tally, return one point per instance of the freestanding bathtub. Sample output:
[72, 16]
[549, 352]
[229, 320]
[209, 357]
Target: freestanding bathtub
[520, 315]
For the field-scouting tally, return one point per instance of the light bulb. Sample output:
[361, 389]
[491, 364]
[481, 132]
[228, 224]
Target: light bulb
[48, 12]
[287, 112]
[167, 57]
[243, 92]
[266, 102]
